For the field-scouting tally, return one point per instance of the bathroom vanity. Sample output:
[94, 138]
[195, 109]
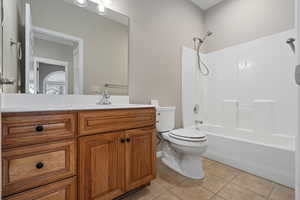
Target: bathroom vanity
[77, 153]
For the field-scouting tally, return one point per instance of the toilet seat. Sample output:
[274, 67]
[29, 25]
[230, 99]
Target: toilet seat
[189, 135]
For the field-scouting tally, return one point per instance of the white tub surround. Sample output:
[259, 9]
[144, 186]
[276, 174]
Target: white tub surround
[251, 87]
[248, 105]
[35, 103]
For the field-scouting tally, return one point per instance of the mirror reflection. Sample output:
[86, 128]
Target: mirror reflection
[57, 47]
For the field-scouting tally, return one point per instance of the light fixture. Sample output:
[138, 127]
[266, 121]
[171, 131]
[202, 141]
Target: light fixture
[101, 8]
[81, 3]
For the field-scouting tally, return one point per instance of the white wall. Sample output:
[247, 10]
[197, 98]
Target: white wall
[161, 27]
[158, 30]
[237, 21]
[251, 87]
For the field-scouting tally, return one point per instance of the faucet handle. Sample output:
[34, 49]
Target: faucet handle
[199, 122]
[106, 93]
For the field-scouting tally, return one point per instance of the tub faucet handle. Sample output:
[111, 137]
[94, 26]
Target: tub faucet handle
[199, 122]
[196, 109]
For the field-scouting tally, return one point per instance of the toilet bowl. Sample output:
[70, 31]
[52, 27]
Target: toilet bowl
[181, 148]
[183, 153]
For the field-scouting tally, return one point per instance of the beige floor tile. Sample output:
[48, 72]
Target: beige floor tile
[186, 191]
[156, 189]
[216, 197]
[207, 163]
[148, 193]
[282, 193]
[144, 194]
[222, 171]
[167, 177]
[167, 196]
[235, 192]
[168, 182]
[210, 182]
[255, 184]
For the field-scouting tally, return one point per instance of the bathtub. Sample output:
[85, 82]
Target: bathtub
[253, 152]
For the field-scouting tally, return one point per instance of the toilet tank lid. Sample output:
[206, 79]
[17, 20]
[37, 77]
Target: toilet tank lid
[166, 108]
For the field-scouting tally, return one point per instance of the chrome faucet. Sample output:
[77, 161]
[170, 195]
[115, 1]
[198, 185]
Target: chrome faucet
[105, 100]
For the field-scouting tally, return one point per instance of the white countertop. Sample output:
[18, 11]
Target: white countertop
[49, 108]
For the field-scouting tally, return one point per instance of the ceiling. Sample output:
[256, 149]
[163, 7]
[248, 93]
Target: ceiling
[205, 4]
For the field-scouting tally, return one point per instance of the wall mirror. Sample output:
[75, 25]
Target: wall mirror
[61, 47]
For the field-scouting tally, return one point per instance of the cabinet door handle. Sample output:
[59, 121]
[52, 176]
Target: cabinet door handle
[39, 128]
[128, 140]
[122, 140]
[39, 165]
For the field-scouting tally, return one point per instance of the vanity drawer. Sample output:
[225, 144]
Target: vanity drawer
[62, 190]
[92, 122]
[23, 129]
[32, 166]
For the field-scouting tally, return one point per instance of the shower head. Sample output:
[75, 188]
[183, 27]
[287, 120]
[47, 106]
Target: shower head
[291, 43]
[198, 42]
[209, 33]
[201, 40]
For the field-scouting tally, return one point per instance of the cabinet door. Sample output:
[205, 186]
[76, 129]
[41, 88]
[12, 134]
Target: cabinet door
[140, 157]
[63, 190]
[102, 166]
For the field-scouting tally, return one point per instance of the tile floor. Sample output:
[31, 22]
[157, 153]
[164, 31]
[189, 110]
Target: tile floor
[221, 183]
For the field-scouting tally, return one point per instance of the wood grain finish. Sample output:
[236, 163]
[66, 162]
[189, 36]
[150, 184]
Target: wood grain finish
[32, 166]
[92, 122]
[102, 167]
[140, 157]
[62, 190]
[39, 161]
[21, 129]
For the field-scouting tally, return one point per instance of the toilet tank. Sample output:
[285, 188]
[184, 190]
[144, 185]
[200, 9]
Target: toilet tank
[165, 117]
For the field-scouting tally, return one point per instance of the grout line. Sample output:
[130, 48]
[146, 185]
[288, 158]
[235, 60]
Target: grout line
[269, 196]
[226, 184]
[216, 196]
[173, 193]
[245, 188]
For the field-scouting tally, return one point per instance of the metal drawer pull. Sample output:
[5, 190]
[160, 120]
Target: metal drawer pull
[128, 140]
[39, 128]
[39, 165]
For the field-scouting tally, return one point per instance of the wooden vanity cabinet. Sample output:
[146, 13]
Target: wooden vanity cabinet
[61, 190]
[39, 156]
[101, 167]
[140, 157]
[22, 129]
[32, 166]
[114, 163]
[49, 156]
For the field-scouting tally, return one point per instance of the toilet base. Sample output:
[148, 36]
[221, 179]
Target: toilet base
[186, 165]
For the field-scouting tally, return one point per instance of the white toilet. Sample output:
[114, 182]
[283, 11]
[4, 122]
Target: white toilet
[182, 148]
